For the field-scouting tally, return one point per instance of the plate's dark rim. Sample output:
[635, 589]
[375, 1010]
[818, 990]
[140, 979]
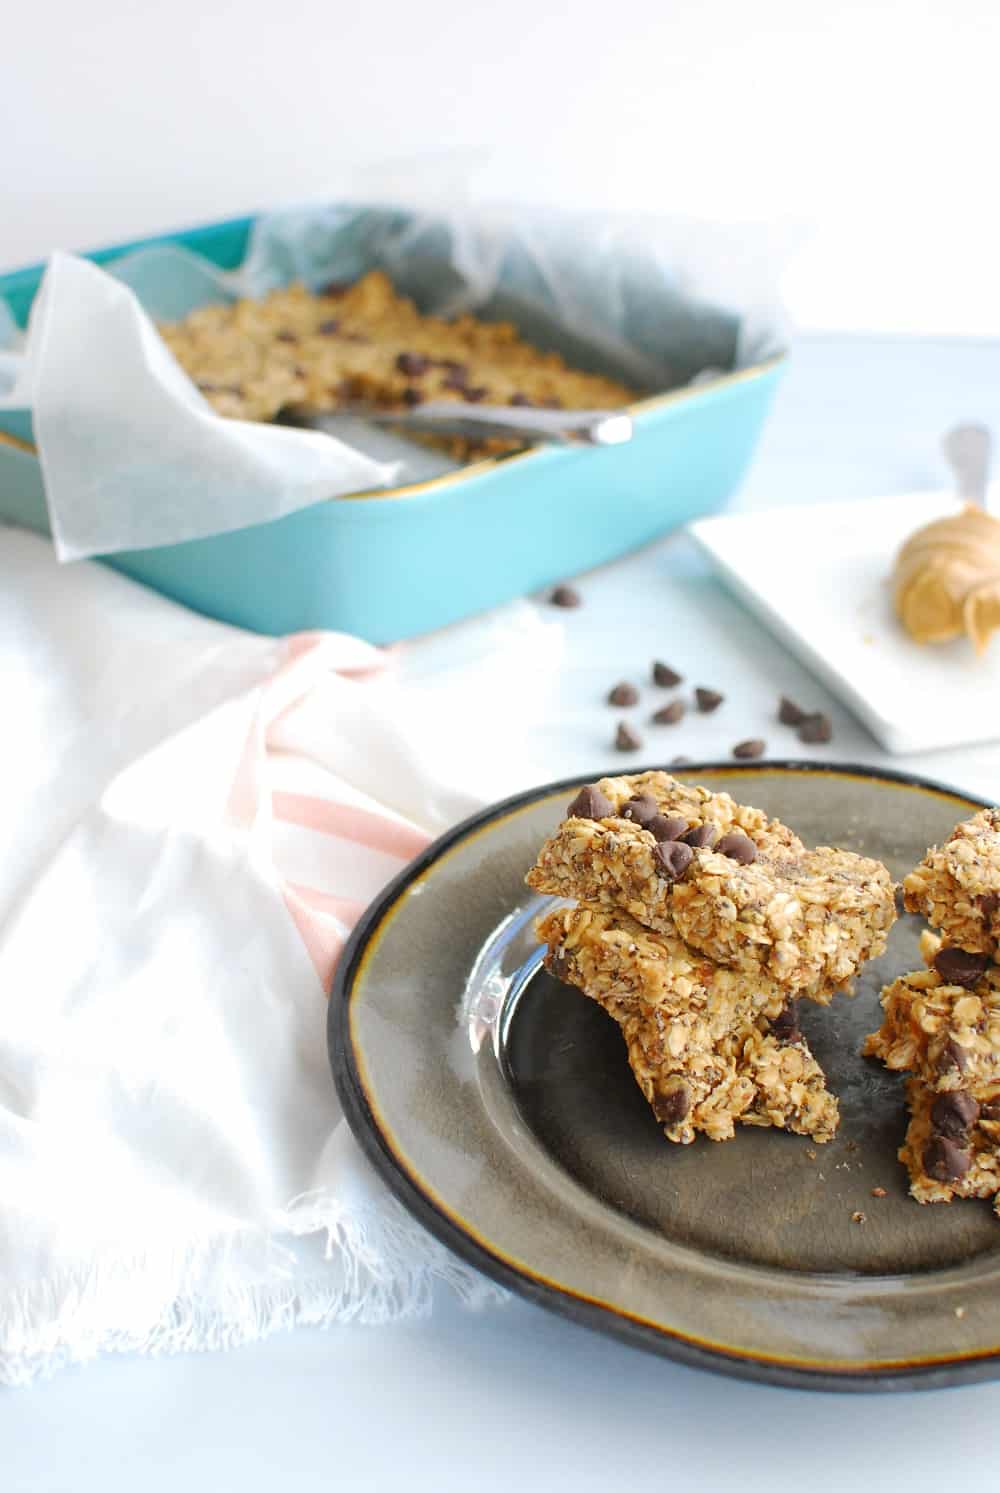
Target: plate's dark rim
[940, 1374]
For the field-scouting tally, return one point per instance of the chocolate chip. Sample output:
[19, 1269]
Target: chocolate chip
[665, 676]
[475, 396]
[959, 967]
[626, 740]
[456, 370]
[953, 1056]
[285, 336]
[663, 827]
[673, 858]
[412, 396]
[672, 1105]
[789, 713]
[702, 837]
[327, 328]
[816, 727]
[412, 364]
[624, 694]
[641, 809]
[989, 1109]
[944, 1161]
[590, 803]
[753, 747]
[522, 401]
[336, 288]
[738, 847]
[670, 714]
[954, 1114]
[454, 381]
[557, 964]
[785, 1025]
[989, 904]
[708, 700]
[566, 596]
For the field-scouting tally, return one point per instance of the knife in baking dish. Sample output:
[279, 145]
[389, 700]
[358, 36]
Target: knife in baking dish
[480, 422]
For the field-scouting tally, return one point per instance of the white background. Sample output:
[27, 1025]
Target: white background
[865, 132]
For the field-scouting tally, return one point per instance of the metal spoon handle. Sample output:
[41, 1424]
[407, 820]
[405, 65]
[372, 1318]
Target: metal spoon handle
[967, 448]
[480, 422]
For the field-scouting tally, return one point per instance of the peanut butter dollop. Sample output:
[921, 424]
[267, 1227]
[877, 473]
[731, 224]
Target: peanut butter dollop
[947, 579]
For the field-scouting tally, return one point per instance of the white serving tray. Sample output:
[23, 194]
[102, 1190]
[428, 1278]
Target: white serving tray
[817, 576]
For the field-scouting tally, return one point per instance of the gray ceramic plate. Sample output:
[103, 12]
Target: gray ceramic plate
[499, 1107]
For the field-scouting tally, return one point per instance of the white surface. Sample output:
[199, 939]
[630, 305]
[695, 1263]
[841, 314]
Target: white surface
[818, 577]
[519, 1398]
[868, 128]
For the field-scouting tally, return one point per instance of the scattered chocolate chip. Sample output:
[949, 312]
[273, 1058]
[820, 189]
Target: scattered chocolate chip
[412, 396]
[702, 837]
[590, 803]
[626, 739]
[522, 401]
[454, 381]
[785, 1025]
[959, 967]
[557, 964]
[708, 700]
[953, 1114]
[475, 396]
[566, 596]
[738, 847]
[670, 714]
[944, 1160]
[412, 364]
[953, 1056]
[664, 827]
[624, 694]
[789, 713]
[816, 727]
[640, 809]
[327, 328]
[671, 1105]
[285, 336]
[754, 747]
[665, 676]
[673, 858]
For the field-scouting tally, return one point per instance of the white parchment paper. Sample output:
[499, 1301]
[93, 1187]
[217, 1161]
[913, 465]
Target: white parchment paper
[133, 456]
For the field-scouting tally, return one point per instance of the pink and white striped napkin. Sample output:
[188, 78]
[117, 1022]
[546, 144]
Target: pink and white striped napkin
[192, 819]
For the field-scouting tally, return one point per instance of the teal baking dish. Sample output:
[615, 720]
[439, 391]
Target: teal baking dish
[389, 565]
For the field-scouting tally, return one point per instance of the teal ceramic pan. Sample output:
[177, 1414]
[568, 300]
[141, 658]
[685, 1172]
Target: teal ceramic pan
[390, 565]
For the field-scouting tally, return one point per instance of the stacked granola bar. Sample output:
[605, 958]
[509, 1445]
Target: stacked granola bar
[698, 925]
[942, 1024]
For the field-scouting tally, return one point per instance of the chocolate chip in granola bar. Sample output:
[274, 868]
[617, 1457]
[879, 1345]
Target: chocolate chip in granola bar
[412, 396]
[959, 967]
[475, 395]
[557, 963]
[816, 727]
[673, 858]
[624, 694]
[522, 401]
[329, 327]
[665, 676]
[566, 596]
[412, 364]
[670, 1106]
[945, 1161]
[953, 1056]
[284, 335]
[738, 847]
[626, 739]
[989, 903]
[667, 827]
[454, 381]
[954, 1114]
[455, 369]
[989, 1109]
[785, 1025]
[702, 837]
[789, 714]
[753, 747]
[670, 714]
[590, 803]
[708, 699]
[640, 809]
